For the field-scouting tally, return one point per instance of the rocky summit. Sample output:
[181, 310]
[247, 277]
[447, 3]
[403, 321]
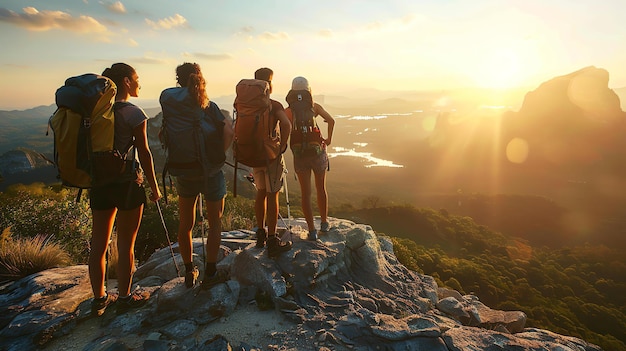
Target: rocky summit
[345, 291]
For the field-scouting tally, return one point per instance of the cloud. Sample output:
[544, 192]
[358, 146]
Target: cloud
[115, 7]
[132, 42]
[326, 33]
[150, 60]
[35, 20]
[168, 23]
[210, 57]
[274, 36]
[394, 25]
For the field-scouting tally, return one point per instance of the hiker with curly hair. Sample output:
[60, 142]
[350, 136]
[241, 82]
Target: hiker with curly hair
[180, 105]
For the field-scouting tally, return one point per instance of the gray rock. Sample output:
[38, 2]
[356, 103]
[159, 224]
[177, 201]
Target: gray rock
[452, 307]
[346, 291]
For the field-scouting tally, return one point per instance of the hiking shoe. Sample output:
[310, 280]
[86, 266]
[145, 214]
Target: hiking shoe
[99, 305]
[261, 235]
[191, 277]
[134, 300]
[275, 247]
[220, 276]
[312, 235]
[324, 227]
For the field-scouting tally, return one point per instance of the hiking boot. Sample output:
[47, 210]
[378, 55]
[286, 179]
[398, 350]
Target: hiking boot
[275, 247]
[312, 235]
[261, 235]
[220, 276]
[134, 300]
[191, 277]
[99, 305]
[324, 227]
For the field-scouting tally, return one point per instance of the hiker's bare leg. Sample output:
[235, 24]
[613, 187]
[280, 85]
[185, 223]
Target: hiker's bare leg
[102, 226]
[215, 209]
[304, 178]
[322, 195]
[187, 217]
[260, 207]
[272, 213]
[127, 227]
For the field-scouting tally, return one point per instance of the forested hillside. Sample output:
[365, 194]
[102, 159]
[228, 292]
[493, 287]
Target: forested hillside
[579, 290]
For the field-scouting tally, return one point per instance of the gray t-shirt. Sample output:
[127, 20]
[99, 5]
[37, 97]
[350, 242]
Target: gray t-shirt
[127, 118]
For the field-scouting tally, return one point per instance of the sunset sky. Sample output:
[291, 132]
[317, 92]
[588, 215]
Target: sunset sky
[339, 45]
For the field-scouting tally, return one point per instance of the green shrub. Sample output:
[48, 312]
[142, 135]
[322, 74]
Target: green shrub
[39, 210]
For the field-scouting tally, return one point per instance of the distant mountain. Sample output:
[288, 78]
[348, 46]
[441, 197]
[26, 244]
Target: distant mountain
[26, 128]
[566, 142]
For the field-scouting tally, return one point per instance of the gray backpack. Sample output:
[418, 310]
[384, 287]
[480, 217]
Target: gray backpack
[191, 136]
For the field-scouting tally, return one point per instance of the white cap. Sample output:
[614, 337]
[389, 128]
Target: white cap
[300, 83]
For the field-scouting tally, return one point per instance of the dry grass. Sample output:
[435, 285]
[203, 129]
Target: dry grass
[22, 257]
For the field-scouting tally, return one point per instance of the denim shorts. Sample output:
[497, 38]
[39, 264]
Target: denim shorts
[123, 196]
[316, 163]
[212, 187]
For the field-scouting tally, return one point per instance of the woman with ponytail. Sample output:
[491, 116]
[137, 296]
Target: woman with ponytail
[183, 106]
[121, 203]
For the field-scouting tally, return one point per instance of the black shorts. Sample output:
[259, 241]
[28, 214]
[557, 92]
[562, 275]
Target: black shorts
[123, 196]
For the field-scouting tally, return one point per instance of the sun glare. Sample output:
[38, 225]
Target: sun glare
[500, 69]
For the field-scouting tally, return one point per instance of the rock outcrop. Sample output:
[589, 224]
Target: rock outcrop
[345, 291]
[21, 160]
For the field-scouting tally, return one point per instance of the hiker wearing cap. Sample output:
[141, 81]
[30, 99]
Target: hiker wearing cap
[309, 150]
[185, 109]
[269, 180]
[121, 203]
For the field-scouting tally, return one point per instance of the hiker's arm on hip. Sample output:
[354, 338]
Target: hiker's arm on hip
[328, 119]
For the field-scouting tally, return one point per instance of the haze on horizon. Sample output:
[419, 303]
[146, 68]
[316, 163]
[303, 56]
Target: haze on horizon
[339, 45]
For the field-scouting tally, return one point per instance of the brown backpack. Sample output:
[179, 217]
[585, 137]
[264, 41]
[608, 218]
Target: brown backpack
[257, 140]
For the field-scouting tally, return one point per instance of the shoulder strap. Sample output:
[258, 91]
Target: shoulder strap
[117, 106]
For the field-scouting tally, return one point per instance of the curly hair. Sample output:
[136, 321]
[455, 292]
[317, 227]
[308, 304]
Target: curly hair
[190, 76]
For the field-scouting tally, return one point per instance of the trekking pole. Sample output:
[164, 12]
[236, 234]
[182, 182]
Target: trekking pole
[287, 199]
[201, 217]
[167, 235]
[107, 260]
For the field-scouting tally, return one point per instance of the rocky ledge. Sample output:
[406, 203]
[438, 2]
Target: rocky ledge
[346, 291]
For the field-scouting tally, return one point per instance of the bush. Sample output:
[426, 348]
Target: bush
[24, 256]
[39, 210]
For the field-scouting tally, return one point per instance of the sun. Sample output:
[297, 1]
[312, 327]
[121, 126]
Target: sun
[500, 69]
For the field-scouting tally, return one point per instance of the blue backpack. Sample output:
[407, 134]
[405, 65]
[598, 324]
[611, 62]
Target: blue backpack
[191, 136]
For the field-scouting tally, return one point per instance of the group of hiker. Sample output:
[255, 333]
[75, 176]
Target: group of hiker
[198, 171]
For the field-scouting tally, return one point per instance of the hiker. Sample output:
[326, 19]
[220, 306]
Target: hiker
[269, 180]
[122, 202]
[309, 150]
[190, 99]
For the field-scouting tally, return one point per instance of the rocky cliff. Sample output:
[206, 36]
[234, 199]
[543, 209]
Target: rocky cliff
[21, 160]
[346, 291]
